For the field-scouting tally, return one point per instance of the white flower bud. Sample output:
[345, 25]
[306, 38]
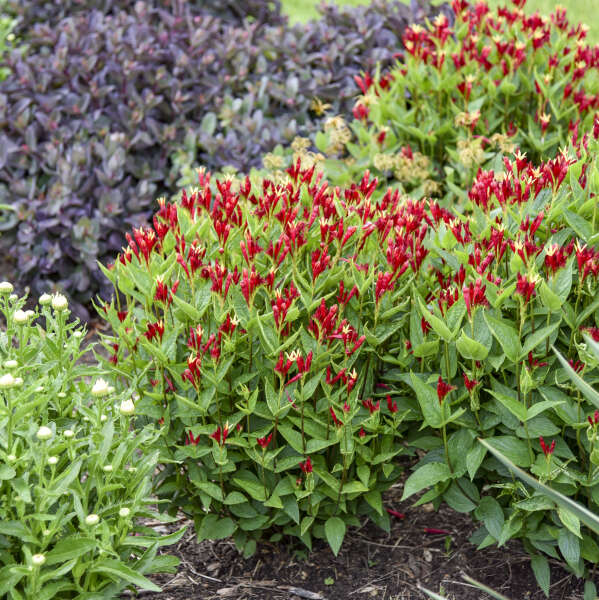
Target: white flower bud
[68, 433]
[52, 460]
[124, 512]
[11, 458]
[61, 395]
[46, 532]
[43, 433]
[100, 388]
[39, 389]
[30, 314]
[103, 418]
[59, 302]
[18, 381]
[6, 287]
[78, 334]
[92, 519]
[111, 389]
[127, 408]
[107, 468]
[20, 317]
[38, 560]
[6, 381]
[11, 364]
[45, 299]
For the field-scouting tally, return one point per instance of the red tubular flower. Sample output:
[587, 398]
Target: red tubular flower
[593, 332]
[372, 408]
[306, 466]
[391, 405]
[220, 436]
[395, 514]
[263, 442]
[443, 389]
[362, 433]
[470, 383]
[154, 330]
[320, 261]
[334, 416]
[526, 288]
[578, 366]
[547, 450]
[190, 440]
[533, 362]
[122, 315]
[474, 295]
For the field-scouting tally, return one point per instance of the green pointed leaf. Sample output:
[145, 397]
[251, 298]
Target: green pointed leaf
[540, 567]
[426, 476]
[471, 349]
[334, 529]
[120, 570]
[436, 323]
[538, 337]
[506, 335]
[428, 400]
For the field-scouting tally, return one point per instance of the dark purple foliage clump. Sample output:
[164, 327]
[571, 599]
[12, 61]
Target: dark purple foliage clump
[92, 113]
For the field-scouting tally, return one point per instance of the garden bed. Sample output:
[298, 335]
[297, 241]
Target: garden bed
[371, 564]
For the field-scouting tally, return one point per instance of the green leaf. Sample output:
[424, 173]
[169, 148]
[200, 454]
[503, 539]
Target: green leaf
[515, 449]
[6, 472]
[491, 514]
[506, 335]
[214, 528]
[68, 548]
[474, 458]
[570, 520]
[208, 124]
[334, 529]
[437, 324]
[536, 338]
[240, 305]
[471, 349]
[540, 567]
[428, 400]
[426, 476]
[569, 546]
[516, 408]
[252, 486]
[121, 571]
[549, 298]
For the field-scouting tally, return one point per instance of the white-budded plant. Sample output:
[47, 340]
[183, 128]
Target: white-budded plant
[74, 478]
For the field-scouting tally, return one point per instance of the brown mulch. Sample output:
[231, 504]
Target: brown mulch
[371, 565]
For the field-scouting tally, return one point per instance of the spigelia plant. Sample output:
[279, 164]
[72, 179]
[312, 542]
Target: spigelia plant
[74, 480]
[255, 324]
[463, 95]
[105, 111]
[515, 275]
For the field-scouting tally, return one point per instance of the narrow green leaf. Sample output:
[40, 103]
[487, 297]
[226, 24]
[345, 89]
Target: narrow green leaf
[589, 393]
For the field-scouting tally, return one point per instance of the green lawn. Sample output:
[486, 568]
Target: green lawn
[586, 11]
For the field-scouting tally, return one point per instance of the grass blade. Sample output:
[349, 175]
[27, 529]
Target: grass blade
[589, 393]
[590, 519]
[430, 594]
[484, 588]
